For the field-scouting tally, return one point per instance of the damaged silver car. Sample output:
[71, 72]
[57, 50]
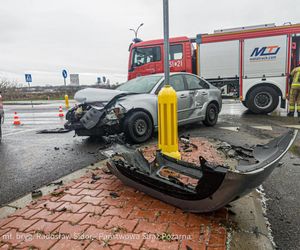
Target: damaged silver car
[132, 107]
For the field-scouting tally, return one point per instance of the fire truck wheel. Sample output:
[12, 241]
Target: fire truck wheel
[138, 127]
[263, 100]
[211, 115]
[245, 104]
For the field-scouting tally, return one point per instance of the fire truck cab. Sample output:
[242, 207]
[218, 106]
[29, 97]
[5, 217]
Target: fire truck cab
[251, 62]
[147, 57]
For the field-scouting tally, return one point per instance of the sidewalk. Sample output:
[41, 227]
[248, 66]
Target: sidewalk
[97, 211]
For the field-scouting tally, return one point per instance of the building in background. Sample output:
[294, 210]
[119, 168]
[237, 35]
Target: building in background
[74, 79]
[104, 81]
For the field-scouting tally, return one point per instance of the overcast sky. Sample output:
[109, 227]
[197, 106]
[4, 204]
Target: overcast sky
[91, 37]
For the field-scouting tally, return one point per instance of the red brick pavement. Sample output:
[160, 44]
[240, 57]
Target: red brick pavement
[105, 214]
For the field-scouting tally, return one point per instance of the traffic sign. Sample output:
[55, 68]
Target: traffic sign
[64, 74]
[74, 79]
[28, 78]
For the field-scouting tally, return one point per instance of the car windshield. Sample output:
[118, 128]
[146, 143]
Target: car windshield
[140, 85]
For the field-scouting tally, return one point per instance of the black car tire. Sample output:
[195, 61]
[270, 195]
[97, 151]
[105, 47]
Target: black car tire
[263, 100]
[138, 127]
[212, 114]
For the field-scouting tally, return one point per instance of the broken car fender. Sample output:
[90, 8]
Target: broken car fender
[144, 102]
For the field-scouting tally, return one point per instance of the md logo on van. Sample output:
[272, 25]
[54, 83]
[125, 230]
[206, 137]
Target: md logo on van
[264, 53]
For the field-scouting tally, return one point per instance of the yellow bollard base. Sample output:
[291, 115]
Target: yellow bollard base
[167, 122]
[175, 155]
[67, 101]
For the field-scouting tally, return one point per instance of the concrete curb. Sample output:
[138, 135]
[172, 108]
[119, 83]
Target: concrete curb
[12, 207]
[251, 231]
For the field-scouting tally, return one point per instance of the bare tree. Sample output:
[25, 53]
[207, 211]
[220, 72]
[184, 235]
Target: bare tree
[9, 89]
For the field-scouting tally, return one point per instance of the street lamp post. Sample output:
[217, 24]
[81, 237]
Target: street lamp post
[167, 102]
[166, 41]
[136, 30]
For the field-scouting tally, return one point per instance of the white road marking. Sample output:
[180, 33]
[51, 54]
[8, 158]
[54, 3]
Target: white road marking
[37, 114]
[35, 121]
[45, 118]
[263, 127]
[18, 132]
[292, 126]
[235, 129]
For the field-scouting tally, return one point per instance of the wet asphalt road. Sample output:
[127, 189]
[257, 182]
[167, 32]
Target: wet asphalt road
[29, 160]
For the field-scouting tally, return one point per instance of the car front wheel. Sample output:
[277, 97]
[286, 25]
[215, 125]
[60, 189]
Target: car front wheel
[138, 127]
[212, 114]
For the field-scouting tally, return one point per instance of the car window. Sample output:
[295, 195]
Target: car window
[194, 82]
[177, 82]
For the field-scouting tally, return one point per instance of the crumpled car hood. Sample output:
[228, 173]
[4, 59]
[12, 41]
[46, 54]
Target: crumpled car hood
[90, 95]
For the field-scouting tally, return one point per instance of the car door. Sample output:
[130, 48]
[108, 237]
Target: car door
[198, 90]
[184, 101]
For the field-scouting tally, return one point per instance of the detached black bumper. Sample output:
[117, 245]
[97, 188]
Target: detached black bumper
[217, 185]
[80, 130]
[73, 126]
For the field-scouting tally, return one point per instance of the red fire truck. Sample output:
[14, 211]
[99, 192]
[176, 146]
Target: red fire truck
[253, 62]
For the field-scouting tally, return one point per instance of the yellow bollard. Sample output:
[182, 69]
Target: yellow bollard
[67, 101]
[167, 122]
